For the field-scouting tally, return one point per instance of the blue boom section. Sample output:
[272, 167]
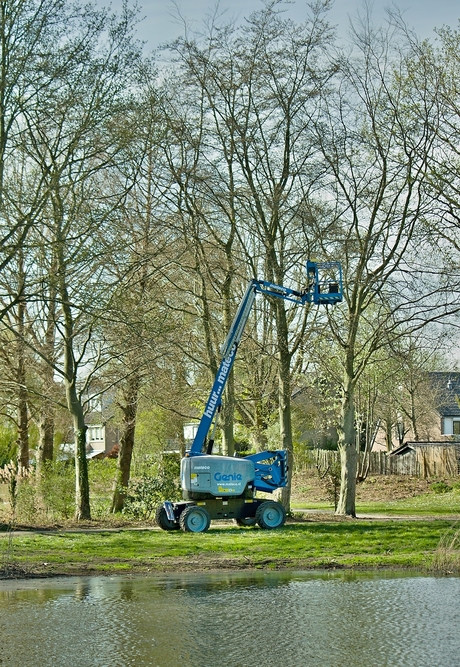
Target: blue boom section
[270, 470]
[324, 287]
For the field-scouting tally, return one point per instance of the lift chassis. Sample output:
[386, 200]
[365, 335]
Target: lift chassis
[224, 487]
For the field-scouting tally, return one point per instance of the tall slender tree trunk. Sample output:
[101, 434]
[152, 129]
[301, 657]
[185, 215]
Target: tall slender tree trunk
[46, 417]
[347, 448]
[22, 395]
[228, 436]
[259, 429]
[23, 423]
[284, 399]
[82, 501]
[129, 410]
[413, 415]
[228, 412]
[45, 447]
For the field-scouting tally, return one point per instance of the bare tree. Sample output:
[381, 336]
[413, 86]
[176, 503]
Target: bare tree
[256, 90]
[376, 150]
[28, 31]
[75, 143]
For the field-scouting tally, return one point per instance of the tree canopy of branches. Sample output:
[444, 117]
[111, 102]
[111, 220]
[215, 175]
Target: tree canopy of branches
[136, 203]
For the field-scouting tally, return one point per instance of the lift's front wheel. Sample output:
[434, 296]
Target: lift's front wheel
[194, 519]
[270, 514]
[161, 519]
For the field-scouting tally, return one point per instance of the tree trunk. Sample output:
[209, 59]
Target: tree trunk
[45, 446]
[228, 440]
[23, 430]
[82, 502]
[388, 434]
[284, 399]
[47, 414]
[129, 410]
[348, 452]
[228, 416]
[259, 429]
[22, 409]
[413, 415]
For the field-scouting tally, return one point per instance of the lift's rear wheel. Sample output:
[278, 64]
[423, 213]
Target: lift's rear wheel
[270, 514]
[161, 519]
[194, 519]
[246, 521]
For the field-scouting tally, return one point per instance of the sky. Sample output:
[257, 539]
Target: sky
[160, 25]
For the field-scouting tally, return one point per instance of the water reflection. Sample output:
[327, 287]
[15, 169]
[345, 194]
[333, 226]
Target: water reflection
[240, 620]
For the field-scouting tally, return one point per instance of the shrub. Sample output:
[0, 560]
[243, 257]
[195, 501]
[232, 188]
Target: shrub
[147, 492]
[49, 496]
[27, 509]
[447, 555]
[101, 474]
[440, 487]
[8, 446]
[57, 488]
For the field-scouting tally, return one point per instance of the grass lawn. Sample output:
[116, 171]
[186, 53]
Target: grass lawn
[390, 495]
[427, 504]
[299, 545]
[310, 541]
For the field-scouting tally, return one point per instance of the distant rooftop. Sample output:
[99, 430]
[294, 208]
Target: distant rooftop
[447, 384]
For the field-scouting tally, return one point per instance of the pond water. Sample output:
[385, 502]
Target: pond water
[291, 619]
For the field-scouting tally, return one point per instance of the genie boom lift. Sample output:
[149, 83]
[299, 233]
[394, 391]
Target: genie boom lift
[224, 487]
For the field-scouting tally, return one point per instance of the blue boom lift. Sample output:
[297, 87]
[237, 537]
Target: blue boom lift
[224, 487]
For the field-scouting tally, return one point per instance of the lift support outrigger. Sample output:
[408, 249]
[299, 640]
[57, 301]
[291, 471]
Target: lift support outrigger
[224, 487]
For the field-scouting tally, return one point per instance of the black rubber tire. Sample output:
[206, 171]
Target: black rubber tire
[246, 521]
[161, 519]
[270, 515]
[195, 519]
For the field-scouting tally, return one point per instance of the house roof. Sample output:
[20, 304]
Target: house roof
[447, 387]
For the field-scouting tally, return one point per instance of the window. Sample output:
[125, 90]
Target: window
[96, 433]
[95, 404]
[456, 427]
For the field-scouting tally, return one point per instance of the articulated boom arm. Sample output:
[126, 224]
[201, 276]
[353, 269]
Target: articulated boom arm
[324, 287]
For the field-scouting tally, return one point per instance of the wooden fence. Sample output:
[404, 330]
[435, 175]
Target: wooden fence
[424, 462]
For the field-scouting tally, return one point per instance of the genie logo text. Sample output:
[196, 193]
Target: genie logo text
[231, 477]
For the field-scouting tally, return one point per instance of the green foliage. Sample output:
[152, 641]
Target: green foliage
[48, 497]
[151, 439]
[440, 487]
[101, 474]
[8, 447]
[243, 447]
[27, 509]
[58, 489]
[147, 492]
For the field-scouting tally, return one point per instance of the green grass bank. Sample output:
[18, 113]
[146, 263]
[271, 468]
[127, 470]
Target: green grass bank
[420, 544]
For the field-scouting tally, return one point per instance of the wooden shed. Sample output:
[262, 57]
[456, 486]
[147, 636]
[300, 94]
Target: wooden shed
[428, 459]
